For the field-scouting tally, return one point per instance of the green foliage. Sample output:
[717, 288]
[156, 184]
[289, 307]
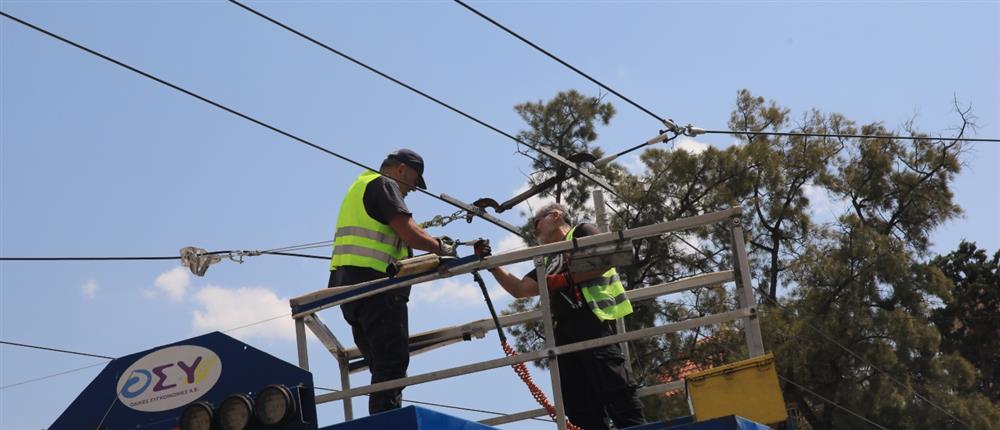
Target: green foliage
[848, 289]
[567, 125]
[970, 322]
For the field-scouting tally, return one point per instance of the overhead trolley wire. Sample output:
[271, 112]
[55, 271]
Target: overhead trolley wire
[64, 351]
[53, 375]
[158, 258]
[537, 148]
[232, 111]
[796, 384]
[865, 360]
[559, 60]
[850, 136]
[701, 131]
[460, 408]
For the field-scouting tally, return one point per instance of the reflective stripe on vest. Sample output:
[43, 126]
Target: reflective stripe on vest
[361, 240]
[605, 295]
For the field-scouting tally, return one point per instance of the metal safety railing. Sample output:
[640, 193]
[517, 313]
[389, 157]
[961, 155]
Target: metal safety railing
[306, 307]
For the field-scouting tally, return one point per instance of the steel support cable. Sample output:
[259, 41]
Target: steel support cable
[225, 108]
[53, 375]
[537, 148]
[699, 131]
[848, 136]
[800, 386]
[442, 405]
[892, 378]
[286, 254]
[559, 60]
[64, 351]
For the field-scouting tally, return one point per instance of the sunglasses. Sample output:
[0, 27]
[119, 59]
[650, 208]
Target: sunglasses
[539, 217]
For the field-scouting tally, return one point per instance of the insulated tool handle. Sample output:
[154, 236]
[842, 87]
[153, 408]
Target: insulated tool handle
[410, 266]
[489, 303]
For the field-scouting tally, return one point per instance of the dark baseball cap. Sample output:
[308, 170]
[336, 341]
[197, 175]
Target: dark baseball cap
[412, 159]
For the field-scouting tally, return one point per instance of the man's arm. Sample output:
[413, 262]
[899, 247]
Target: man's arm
[412, 235]
[523, 287]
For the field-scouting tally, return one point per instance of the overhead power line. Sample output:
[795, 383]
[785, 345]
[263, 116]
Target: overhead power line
[286, 254]
[87, 258]
[53, 375]
[848, 136]
[559, 60]
[538, 148]
[232, 111]
[863, 359]
[442, 405]
[64, 351]
[691, 129]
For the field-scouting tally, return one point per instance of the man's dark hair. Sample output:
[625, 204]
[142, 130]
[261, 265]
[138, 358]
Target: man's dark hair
[389, 163]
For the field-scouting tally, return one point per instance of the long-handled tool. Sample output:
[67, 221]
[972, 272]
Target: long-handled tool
[561, 175]
[519, 368]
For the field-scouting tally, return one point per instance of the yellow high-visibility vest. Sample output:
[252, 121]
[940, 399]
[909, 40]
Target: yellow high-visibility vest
[361, 240]
[605, 295]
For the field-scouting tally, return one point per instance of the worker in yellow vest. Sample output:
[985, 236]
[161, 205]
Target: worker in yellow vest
[596, 384]
[374, 229]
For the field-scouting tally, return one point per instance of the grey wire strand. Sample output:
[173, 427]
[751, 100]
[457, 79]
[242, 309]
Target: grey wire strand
[800, 386]
[42, 378]
[64, 351]
[845, 409]
[411, 88]
[849, 136]
[864, 360]
[552, 56]
[442, 405]
[661, 119]
[216, 104]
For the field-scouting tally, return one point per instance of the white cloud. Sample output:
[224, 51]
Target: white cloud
[633, 163]
[690, 145]
[89, 289]
[174, 283]
[510, 242]
[533, 202]
[451, 292]
[821, 205]
[229, 308]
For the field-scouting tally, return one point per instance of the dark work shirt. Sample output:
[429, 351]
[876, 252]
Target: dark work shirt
[382, 201]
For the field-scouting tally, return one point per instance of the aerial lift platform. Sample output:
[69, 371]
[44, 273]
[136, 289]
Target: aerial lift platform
[216, 382]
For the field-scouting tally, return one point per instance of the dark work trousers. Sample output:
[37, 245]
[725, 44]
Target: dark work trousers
[596, 384]
[381, 330]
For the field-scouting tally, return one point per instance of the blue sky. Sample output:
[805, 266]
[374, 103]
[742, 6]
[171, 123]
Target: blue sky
[95, 160]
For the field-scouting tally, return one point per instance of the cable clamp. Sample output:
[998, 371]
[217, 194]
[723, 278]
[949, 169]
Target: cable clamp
[198, 260]
[692, 131]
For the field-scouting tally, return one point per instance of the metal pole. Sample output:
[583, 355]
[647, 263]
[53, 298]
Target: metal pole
[755, 343]
[345, 385]
[601, 213]
[300, 340]
[550, 341]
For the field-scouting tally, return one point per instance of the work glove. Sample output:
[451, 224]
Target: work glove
[446, 246]
[560, 281]
[482, 248]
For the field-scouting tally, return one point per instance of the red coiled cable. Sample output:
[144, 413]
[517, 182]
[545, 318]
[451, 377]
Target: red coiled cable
[522, 371]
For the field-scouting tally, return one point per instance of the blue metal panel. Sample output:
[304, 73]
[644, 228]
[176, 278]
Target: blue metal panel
[162, 380]
[731, 422]
[409, 418]
[305, 308]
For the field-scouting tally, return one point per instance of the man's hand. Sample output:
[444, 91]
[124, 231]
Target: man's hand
[482, 248]
[446, 246]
